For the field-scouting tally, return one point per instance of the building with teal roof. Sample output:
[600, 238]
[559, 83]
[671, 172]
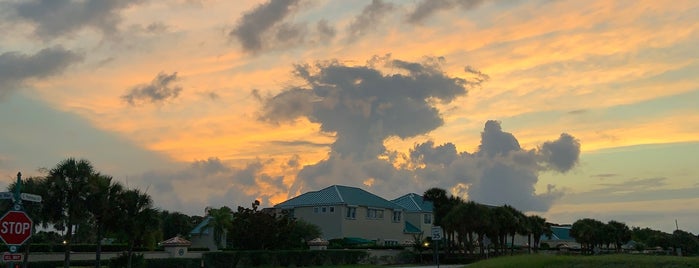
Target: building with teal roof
[350, 212]
[418, 213]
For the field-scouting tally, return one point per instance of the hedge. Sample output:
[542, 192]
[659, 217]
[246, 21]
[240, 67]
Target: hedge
[284, 258]
[81, 248]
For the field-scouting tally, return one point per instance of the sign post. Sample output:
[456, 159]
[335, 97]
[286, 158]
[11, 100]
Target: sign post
[437, 234]
[16, 226]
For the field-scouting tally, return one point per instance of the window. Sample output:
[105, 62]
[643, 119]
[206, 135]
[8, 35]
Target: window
[315, 210]
[396, 216]
[428, 219]
[324, 209]
[351, 213]
[332, 209]
[373, 213]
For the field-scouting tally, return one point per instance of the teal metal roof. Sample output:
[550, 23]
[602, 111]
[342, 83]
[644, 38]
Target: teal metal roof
[338, 195]
[201, 229]
[560, 233]
[411, 229]
[414, 203]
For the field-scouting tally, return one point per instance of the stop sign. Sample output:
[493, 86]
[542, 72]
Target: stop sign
[15, 228]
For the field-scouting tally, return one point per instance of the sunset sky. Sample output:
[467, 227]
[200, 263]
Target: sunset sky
[566, 109]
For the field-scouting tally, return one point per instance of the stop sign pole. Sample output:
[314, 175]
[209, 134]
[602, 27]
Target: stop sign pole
[15, 225]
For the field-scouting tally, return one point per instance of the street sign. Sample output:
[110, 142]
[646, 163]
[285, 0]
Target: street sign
[437, 233]
[15, 228]
[30, 197]
[7, 195]
[12, 257]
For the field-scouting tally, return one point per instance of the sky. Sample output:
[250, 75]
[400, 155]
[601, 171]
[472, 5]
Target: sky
[564, 109]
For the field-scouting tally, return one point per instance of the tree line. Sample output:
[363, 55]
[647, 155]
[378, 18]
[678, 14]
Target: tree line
[469, 226]
[86, 206]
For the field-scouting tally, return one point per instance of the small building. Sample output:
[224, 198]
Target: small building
[202, 235]
[176, 246]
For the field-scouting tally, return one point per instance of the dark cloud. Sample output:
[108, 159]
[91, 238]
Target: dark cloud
[210, 166]
[54, 18]
[427, 153]
[427, 8]
[15, 67]
[504, 183]
[371, 16]
[364, 106]
[496, 142]
[159, 90]
[561, 154]
[254, 25]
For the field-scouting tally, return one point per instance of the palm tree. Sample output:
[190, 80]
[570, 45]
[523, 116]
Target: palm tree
[66, 194]
[539, 227]
[515, 223]
[220, 220]
[102, 204]
[138, 217]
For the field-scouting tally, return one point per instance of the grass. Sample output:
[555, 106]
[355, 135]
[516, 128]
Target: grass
[607, 261]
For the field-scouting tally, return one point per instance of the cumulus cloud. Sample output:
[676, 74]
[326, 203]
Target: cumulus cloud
[54, 18]
[427, 8]
[159, 90]
[364, 105]
[496, 142]
[561, 154]
[16, 67]
[254, 25]
[371, 15]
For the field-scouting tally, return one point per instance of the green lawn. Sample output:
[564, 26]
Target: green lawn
[554, 261]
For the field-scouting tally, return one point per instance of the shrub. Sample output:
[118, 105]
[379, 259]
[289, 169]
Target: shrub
[173, 263]
[297, 258]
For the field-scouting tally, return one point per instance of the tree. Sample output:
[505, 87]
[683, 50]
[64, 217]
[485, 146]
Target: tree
[175, 223]
[588, 232]
[253, 229]
[620, 234]
[138, 218]
[220, 221]
[688, 242]
[539, 227]
[66, 194]
[102, 203]
[515, 223]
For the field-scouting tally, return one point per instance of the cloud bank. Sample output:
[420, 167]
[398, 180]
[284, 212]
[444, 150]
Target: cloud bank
[363, 106]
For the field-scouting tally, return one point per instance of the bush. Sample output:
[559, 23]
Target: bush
[173, 263]
[54, 264]
[297, 258]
